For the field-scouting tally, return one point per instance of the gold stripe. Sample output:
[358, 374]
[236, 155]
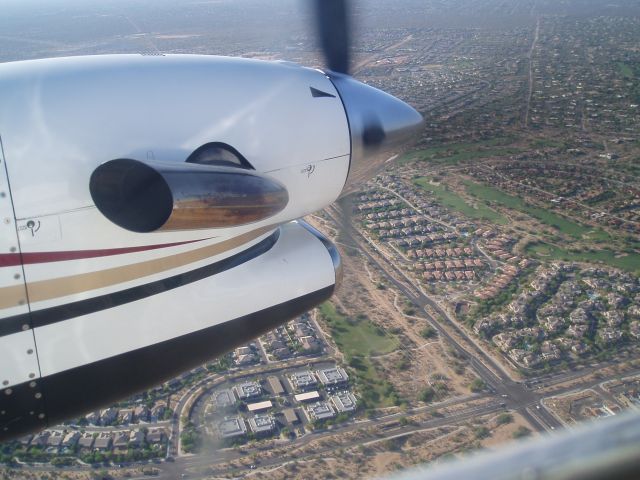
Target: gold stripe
[12, 296]
[62, 287]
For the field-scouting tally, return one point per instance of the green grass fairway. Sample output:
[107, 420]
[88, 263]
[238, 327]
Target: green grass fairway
[545, 142]
[357, 337]
[625, 70]
[459, 152]
[358, 340]
[564, 225]
[455, 202]
[630, 262]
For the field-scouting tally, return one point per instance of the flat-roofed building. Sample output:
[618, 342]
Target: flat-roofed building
[224, 398]
[320, 411]
[262, 424]
[303, 380]
[260, 406]
[344, 402]
[248, 390]
[276, 385]
[232, 427]
[290, 416]
[333, 376]
[307, 397]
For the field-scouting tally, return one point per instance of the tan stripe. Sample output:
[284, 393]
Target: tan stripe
[12, 296]
[62, 287]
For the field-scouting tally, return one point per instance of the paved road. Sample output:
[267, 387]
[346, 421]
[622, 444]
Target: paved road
[536, 36]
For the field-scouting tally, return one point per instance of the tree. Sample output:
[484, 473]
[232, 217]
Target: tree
[477, 385]
[428, 332]
[61, 461]
[427, 395]
[402, 364]
[504, 419]
[521, 432]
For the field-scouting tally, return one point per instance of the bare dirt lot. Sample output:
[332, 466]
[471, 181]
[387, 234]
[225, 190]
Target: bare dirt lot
[418, 361]
[387, 455]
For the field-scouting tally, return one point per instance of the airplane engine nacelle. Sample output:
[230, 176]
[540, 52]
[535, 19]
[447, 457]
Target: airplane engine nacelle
[149, 207]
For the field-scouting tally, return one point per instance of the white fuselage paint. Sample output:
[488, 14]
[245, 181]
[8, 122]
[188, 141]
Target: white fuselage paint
[297, 256]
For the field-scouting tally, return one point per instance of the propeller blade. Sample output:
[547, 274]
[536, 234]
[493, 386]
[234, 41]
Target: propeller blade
[345, 226]
[333, 29]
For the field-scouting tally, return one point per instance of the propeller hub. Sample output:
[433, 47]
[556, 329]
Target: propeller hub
[381, 127]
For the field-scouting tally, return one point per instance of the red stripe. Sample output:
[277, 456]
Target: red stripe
[9, 259]
[14, 259]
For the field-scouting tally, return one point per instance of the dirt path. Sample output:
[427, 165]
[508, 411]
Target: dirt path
[530, 57]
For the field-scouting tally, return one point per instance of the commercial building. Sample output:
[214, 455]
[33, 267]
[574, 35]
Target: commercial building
[344, 402]
[307, 397]
[303, 380]
[260, 406]
[224, 398]
[262, 424]
[320, 411]
[291, 416]
[248, 390]
[276, 385]
[334, 376]
[232, 427]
